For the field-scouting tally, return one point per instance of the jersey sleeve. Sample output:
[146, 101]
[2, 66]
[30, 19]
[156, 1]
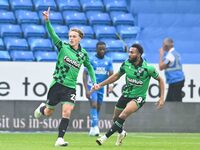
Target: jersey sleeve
[56, 40]
[90, 69]
[122, 69]
[153, 72]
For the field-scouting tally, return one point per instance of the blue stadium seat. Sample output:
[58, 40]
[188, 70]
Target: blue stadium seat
[2, 47]
[40, 44]
[61, 30]
[4, 56]
[98, 18]
[45, 55]
[118, 56]
[10, 30]
[44, 4]
[21, 4]
[25, 16]
[55, 17]
[4, 4]
[152, 57]
[103, 31]
[87, 30]
[122, 18]
[16, 43]
[92, 5]
[68, 5]
[7, 17]
[33, 30]
[21, 55]
[114, 45]
[115, 5]
[74, 17]
[127, 31]
[89, 44]
[190, 58]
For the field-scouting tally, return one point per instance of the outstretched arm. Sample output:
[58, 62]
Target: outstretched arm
[109, 80]
[54, 36]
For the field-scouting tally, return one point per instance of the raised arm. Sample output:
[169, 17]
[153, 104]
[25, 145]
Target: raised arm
[54, 36]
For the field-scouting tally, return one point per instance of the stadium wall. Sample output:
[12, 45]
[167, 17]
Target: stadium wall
[23, 85]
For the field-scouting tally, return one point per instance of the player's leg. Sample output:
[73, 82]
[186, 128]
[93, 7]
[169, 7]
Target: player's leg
[121, 104]
[47, 108]
[67, 96]
[93, 114]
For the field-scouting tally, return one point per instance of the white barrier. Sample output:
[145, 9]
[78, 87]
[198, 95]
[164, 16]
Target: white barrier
[30, 81]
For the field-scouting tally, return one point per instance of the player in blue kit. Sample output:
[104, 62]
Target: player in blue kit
[103, 69]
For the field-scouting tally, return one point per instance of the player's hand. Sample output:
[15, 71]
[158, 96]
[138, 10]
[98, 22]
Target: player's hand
[95, 87]
[160, 103]
[87, 94]
[161, 52]
[46, 14]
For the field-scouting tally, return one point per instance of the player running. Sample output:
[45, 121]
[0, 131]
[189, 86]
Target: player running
[138, 74]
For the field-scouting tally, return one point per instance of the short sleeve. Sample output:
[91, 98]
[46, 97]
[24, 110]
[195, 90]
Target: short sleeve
[153, 72]
[122, 69]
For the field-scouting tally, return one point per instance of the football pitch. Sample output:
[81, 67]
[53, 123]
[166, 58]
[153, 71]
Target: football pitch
[81, 141]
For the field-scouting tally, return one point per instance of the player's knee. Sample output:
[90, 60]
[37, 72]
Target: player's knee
[66, 113]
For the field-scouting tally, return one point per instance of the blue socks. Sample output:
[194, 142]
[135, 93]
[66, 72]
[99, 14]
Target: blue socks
[94, 117]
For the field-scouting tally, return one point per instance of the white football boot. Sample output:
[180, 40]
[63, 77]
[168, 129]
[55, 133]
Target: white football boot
[37, 113]
[60, 142]
[101, 140]
[120, 138]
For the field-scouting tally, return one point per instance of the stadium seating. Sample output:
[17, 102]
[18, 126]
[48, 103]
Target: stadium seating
[115, 5]
[13, 43]
[113, 45]
[7, 17]
[61, 30]
[92, 5]
[87, 30]
[26, 16]
[55, 17]
[13, 30]
[45, 55]
[89, 44]
[127, 31]
[118, 56]
[2, 47]
[68, 5]
[21, 55]
[98, 18]
[33, 30]
[122, 18]
[40, 44]
[21, 4]
[4, 4]
[74, 17]
[104, 31]
[44, 4]
[4, 56]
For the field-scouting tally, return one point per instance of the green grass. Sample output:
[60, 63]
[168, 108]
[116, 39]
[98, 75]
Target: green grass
[81, 141]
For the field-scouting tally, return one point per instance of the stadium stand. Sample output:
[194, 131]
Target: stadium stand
[21, 55]
[7, 17]
[92, 5]
[27, 16]
[21, 4]
[33, 30]
[115, 5]
[13, 30]
[44, 4]
[74, 17]
[114, 45]
[14, 43]
[40, 44]
[4, 55]
[89, 44]
[56, 17]
[45, 55]
[98, 18]
[104, 31]
[88, 31]
[4, 4]
[68, 5]
[2, 47]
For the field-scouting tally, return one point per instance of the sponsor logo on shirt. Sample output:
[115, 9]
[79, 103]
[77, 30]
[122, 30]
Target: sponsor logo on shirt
[100, 70]
[134, 81]
[72, 62]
